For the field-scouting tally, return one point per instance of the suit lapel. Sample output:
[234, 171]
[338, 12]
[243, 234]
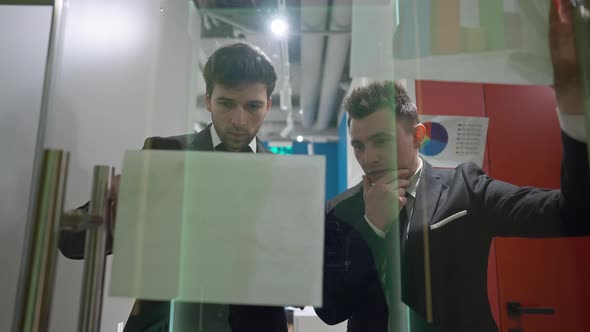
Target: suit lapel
[427, 197]
[260, 147]
[202, 140]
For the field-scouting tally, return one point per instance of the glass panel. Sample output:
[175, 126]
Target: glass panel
[473, 98]
[127, 71]
[133, 70]
[24, 38]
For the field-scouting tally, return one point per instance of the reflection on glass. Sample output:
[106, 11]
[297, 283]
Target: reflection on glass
[472, 98]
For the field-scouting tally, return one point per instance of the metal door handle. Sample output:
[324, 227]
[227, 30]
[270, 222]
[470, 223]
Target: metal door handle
[35, 290]
[40, 256]
[515, 309]
[96, 223]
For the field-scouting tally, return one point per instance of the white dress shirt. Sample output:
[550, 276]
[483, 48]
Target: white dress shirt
[216, 140]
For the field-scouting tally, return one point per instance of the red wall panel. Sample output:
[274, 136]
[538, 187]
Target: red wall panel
[523, 144]
[545, 273]
[524, 141]
[453, 99]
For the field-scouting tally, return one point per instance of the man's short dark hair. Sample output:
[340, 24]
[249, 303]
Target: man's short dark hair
[383, 94]
[238, 63]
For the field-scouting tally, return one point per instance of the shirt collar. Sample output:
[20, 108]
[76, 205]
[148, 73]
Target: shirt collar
[414, 179]
[216, 140]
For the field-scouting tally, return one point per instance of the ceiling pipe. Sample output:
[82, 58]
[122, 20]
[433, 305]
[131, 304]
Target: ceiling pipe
[336, 53]
[286, 93]
[314, 17]
[286, 132]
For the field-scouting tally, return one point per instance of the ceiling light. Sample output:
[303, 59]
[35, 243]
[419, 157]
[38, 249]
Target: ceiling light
[279, 27]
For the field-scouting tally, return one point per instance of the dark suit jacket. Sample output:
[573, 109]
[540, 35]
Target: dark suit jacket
[155, 315]
[355, 255]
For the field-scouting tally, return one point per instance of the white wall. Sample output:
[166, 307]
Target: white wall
[24, 32]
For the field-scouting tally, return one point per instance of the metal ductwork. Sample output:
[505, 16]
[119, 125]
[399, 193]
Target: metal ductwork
[337, 48]
[314, 17]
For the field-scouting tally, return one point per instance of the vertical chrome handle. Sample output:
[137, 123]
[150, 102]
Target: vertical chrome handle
[95, 251]
[38, 273]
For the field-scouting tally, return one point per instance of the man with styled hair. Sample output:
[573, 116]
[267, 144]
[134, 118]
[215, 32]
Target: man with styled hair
[447, 217]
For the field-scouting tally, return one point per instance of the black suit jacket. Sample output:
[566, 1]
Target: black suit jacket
[155, 315]
[355, 255]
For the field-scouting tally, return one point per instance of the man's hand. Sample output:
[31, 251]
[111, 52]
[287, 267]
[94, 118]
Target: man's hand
[381, 196]
[566, 75]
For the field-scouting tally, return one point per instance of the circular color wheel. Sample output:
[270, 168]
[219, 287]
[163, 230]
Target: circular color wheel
[436, 139]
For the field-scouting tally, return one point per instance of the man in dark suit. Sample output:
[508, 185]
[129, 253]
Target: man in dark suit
[446, 219]
[239, 81]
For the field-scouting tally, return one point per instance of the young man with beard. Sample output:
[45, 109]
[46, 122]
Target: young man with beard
[239, 79]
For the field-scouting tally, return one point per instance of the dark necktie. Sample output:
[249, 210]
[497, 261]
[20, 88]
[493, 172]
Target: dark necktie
[412, 260]
[222, 147]
[403, 226]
